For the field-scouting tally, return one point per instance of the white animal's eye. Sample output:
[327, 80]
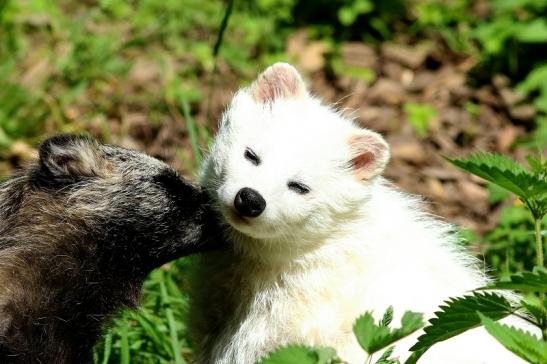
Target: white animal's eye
[252, 157]
[298, 187]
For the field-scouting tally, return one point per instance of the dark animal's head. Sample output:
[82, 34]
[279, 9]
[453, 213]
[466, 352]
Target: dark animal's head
[79, 230]
[138, 210]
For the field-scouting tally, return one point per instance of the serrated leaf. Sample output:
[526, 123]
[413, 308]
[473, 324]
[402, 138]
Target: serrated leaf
[535, 164]
[373, 337]
[459, 315]
[521, 343]
[535, 281]
[532, 305]
[299, 354]
[386, 357]
[325, 355]
[388, 317]
[504, 172]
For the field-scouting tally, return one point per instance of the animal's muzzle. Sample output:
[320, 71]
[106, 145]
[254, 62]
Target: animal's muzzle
[249, 202]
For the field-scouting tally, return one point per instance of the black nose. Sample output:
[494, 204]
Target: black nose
[249, 202]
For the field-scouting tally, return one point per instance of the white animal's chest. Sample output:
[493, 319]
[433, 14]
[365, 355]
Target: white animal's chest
[302, 307]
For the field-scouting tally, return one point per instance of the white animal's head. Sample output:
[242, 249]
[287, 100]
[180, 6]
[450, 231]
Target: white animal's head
[283, 166]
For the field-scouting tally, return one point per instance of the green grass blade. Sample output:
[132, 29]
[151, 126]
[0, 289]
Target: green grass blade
[124, 342]
[223, 27]
[216, 50]
[192, 130]
[107, 348]
[172, 324]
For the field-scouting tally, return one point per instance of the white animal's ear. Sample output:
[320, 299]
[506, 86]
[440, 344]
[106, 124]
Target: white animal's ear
[280, 80]
[369, 154]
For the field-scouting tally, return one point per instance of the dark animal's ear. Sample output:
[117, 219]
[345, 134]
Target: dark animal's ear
[280, 80]
[65, 159]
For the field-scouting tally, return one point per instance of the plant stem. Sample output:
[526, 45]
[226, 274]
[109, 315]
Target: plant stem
[540, 262]
[539, 243]
[216, 51]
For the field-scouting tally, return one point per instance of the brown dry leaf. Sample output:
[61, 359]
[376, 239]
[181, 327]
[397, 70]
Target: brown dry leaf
[486, 96]
[409, 56]
[72, 113]
[35, 76]
[309, 55]
[35, 19]
[296, 42]
[436, 189]
[472, 191]
[393, 71]
[387, 91]
[22, 151]
[501, 81]
[380, 118]
[506, 137]
[421, 80]
[410, 151]
[523, 112]
[144, 72]
[510, 97]
[443, 173]
[312, 57]
[359, 55]
[445, 80]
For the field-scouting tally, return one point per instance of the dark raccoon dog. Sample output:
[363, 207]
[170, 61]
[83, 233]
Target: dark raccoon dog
[79, 231]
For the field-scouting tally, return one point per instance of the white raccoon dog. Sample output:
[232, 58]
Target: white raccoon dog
[318, 236]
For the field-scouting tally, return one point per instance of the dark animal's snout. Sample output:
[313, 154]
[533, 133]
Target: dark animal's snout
[249, 202]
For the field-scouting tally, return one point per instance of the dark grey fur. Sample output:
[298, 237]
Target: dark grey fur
[79, 231]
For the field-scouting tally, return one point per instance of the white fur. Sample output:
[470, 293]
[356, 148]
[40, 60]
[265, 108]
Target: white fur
[309, 265]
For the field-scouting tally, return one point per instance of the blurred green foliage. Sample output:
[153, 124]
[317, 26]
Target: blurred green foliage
[86, 47]
[510, 245]
[419, 116]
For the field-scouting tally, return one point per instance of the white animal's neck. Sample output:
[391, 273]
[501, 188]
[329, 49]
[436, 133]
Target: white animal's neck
[300, 252]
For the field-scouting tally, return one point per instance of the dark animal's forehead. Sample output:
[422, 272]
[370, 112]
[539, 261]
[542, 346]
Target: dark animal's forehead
[130, 160]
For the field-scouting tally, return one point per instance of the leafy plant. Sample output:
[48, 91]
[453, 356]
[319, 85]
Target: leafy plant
[510, 245]
[530, 185]
[347, 14]
[298, 354]
[522, 343]
[420, 116]
[374, 337]
[457, 316]
[535, 281]
[535, 82]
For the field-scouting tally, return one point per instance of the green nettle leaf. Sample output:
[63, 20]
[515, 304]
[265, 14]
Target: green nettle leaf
[373, 337]
[535, 164]
[386, 357]
[325, 355]
[457, 316]
[504, 172]
[522, 343]
[299, 354]
[535, 281]
[388, 317]
[532, 305]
